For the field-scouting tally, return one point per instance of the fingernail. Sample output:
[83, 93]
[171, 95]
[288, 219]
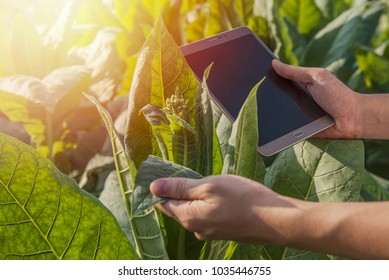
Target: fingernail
[158, 187]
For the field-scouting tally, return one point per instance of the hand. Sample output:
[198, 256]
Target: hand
[342, 103]
[226, 208]
[235, 208]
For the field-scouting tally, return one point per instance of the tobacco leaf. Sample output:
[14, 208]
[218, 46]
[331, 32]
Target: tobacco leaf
[45, 215]
[152, 169]
[160, 70]
[146, 232]
[316, 170]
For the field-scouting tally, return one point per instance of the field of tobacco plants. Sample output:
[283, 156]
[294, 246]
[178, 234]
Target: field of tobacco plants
[76, 160]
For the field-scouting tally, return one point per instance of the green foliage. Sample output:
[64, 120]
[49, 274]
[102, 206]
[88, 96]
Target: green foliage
[146, 233]
[151, 169]
[179, 241]
[45, 215]
[316, 170]
[374, 188]
[123, 50]
[40, 105]
[319, 170]
[154, 82]
[241, 159]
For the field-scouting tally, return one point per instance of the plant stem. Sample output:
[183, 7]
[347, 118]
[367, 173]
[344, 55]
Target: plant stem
[284, 254]
[215, 250]
[116, 153]
[181, 244]
[185, 161]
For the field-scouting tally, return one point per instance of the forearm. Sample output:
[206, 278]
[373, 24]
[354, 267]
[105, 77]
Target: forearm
[373, 116]
[354, 230]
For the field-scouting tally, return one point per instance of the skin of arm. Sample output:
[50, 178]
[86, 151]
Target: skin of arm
[235, 208]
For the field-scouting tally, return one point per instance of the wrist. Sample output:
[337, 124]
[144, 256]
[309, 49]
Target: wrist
[358, 118]
[300, 224]
[296, 224]
[372, 117]
[280, 224]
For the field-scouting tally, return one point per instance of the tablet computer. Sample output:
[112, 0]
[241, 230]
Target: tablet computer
[287, 113]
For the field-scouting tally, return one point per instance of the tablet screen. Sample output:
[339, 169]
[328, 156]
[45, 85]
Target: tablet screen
[239, 64]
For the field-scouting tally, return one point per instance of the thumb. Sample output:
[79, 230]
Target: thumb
[176, 188]
[291, 72]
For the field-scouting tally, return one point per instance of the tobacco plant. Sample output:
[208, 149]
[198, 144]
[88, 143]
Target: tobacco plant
[171, 126]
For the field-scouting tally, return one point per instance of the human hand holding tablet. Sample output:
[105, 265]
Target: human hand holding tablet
[287, 113]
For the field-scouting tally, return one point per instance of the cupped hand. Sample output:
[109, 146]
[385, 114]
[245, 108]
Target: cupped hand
[224, 207]
[338, 100]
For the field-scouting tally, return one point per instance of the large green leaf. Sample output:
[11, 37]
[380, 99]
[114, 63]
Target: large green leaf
[373, 67]
[134, 16]
[317, 170]
[98, 168]
[181, 244]
[242, 10]
[292, 44]
[160, 70]
[44, 106]
[244, 251]
[59, 37]
[183, 141]
[281, 253]
[161, 129]
[377, 152]
[374, 188]
[208, 152]
[45, 215]
[287, 39]
[171, 14]
[146, 231]
[214, 16]
[332, 8]
[152, 169]
[241, 158]
[195, 26]
[13, 129]
[111, 196]
[31, 115]
[217, 18]
[260, 26]
[223, 127]
[304, 14]
[336, 41]
[102, 57]
[52, 88]
[179, 142]
[176, 138]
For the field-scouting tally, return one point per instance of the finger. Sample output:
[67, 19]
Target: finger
[187, 213]
[171, 207]
[299, 74]
[177, 188]
[200, 236]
